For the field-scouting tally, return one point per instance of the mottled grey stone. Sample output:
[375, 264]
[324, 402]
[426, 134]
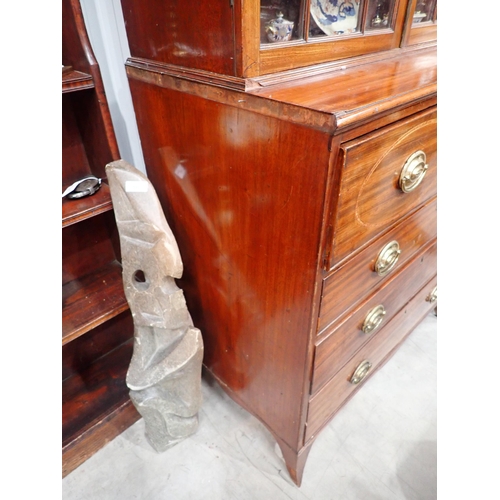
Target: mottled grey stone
[164, 376]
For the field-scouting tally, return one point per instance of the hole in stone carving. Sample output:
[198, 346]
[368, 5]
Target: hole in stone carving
[140, 277]
[140, 281]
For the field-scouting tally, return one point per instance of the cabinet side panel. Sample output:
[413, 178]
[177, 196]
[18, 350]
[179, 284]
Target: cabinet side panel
[244, 196]
[193, 35]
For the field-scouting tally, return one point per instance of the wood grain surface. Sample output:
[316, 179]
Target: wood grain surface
[354, 278]
[345, 337]
[335, 101]
[325, 403]
[200, 36]
[369, 197]
[244, 198]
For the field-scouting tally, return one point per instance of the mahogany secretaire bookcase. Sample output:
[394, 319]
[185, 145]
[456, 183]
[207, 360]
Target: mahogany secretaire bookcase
[292, 144]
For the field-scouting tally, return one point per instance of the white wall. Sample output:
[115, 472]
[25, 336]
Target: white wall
[106, 30]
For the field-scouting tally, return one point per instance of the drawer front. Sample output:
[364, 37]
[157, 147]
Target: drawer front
[324, 404]
[338, 345]
[377, 170]
[349, 284]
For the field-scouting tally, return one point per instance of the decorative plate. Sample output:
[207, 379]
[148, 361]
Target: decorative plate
[336, 17]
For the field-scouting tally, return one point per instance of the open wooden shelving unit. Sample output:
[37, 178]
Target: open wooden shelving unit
[97, 327]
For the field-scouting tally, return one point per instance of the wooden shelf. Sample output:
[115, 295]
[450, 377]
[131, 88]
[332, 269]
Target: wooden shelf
[89, 442]
[90, 301]
[88, 395]
[74, 211]
[96, 406]
[73, 81]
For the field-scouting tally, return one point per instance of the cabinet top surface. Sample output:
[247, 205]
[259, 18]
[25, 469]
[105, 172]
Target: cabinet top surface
[346, 93]
[331, 99]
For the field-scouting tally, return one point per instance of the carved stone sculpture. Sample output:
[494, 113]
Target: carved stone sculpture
[164, 376]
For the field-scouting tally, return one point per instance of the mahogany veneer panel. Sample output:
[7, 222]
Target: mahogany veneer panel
[378, 350]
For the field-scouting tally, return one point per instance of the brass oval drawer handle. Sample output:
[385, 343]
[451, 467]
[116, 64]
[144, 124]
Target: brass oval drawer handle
[387, 258]
[373, 319]
[361, 372]
[413, 171]
[432, 297]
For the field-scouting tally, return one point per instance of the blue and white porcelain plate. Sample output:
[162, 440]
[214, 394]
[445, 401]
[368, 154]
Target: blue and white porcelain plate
[335, 17]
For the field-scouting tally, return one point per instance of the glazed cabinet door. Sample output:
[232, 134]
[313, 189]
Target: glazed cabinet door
[289, 20]
[295, 33]
[421, 23]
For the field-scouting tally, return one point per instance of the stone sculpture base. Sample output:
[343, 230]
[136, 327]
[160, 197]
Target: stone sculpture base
[169, 417]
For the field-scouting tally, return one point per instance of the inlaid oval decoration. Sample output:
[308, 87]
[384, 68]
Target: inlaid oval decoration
[380, 200]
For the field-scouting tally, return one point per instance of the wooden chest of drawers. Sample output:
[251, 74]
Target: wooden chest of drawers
[306, 220]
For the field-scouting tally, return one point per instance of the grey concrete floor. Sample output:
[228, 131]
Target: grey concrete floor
[380, 446]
